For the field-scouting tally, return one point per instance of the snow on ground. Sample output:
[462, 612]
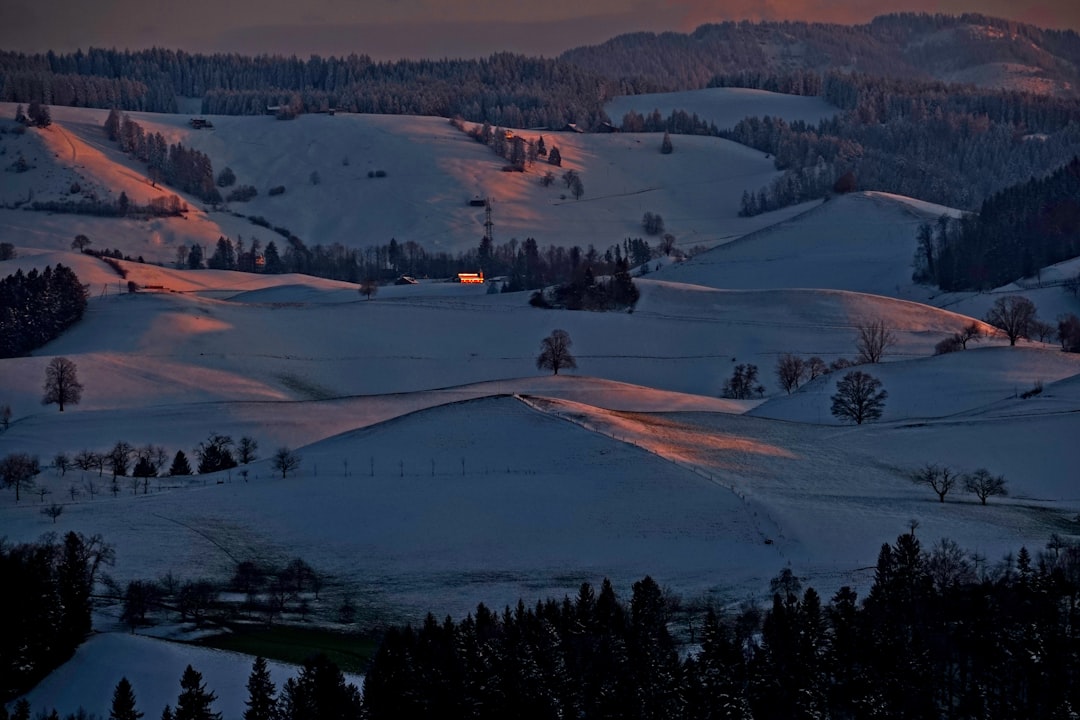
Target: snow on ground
[440, 467]
[724, 107]
[432, 172]
[935, 387]
[863, 242]
[154, 668]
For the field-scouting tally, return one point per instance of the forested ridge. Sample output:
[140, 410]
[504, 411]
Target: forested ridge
[902, 45]
[504, 89]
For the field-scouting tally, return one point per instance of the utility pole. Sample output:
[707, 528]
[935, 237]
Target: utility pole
[488, 225]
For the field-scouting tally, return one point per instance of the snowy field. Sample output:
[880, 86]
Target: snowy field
[724, 107]
[440, 467]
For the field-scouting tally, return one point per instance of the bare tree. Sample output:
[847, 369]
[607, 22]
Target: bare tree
[984, 485]
[873, 341]
[948, 565]
[815, 366]
[61, 463]
[80, 243]
[578, 188]
[52, 511]
[119, 458]
[790, 371]
[1013, 315]
[1042, 330]
[286, 461]
[971, 333]
[5, 417]
[18, 470]
[858, 398]
[555, 352]
[369, 287]
[245, 450]
[61, 383]
[940, 479]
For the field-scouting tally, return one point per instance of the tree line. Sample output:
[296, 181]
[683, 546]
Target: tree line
[504, 88]
[522, 265]
[36, 307]
[47, 590]
[184, 168]
[1017, 232]
[941, 634]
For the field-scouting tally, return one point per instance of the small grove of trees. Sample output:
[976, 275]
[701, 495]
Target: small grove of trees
[37, 307]
[858, 398]
[792, 370]
[652, 223]
[959, 340]
[1012, 315]
[47, 592]
[183, 168]
[942, 479]
[555, 353]
[585, 292]
[743, 383]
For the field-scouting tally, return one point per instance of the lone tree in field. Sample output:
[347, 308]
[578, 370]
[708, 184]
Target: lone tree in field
[285, 461]
[61, 383]
[1012, 315]
[858, 398]
[939, 479]
[555, 352]
[873, 340]
[984, 485]
[369, 287]
[665, 144]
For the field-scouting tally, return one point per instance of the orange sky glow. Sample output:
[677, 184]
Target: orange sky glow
[388, 29]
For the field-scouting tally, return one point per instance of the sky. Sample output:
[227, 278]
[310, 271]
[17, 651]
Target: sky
[391, 29]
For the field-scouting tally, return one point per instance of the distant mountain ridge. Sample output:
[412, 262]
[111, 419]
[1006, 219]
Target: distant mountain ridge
[970, 48]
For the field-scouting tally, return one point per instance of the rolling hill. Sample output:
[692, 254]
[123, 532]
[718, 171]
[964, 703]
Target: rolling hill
[439, 467]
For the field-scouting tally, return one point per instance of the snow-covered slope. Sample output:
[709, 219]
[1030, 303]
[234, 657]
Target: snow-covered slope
[432, 172]
[863, 242]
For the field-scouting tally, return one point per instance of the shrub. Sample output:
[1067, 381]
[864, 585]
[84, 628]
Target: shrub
[276, 190]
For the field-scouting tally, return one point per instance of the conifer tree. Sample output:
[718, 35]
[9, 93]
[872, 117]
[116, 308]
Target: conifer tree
[123, 702]
[194, 700]
[261, 703]
[180, 464]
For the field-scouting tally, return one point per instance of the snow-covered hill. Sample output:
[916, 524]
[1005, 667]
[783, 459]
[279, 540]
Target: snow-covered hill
[440, 467]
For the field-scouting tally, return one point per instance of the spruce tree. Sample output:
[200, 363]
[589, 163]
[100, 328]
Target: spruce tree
[261, 703]
[194, 700]
[123, 702]
[180, 464]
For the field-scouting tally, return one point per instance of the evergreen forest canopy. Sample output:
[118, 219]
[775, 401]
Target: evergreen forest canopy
[940, 634]
[37, 307]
